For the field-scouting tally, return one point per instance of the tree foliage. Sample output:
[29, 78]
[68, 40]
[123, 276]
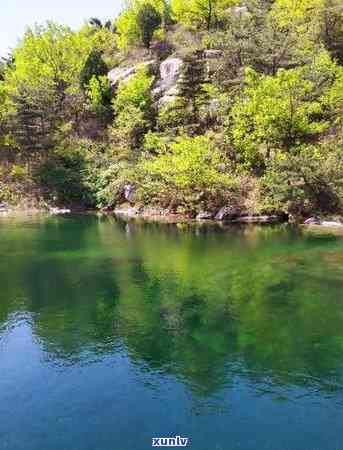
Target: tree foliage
[94, 66]
[252, 118]
[148, 19]
[205, 14]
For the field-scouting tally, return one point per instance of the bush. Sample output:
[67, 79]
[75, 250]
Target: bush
[148, 19]
[64, 175]
[274, 112]
[191, 172]
[135, 92]
[100, 96]
[307, 181]
[18, 172]
[94, 66]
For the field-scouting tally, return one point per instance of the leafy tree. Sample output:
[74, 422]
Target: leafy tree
[35, 118]
[149, 19]
[274, 112]
[300, 13]
[191, 167]
[306, 181]
[52, 55]
[256, 40]
[98, 24]
[94, 66]
[129, 26]
[191, 87]
[135, 92]
[203, 13]
[100, 94]
[2, 70]
[331, 30]
[132, 106]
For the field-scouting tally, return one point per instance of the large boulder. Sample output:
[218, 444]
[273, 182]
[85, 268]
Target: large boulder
[120, 74]
[324, 223]
[312, 221]
[213, 54]
[204, 215]
[239, 10]
[227, 213]
[129, 192]
[166, 88]
[59, 211]
[3, 207]
[331, 223]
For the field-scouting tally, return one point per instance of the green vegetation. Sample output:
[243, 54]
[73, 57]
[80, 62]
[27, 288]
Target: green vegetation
[254, 118]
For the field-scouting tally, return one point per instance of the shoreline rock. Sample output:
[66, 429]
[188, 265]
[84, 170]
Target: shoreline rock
[230, 216]
[59, 211]
[323, 223]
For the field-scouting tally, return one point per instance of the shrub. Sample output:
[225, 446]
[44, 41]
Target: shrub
[100, 96]
[191, 171]
[307, 181]
[135, 92]
[274, 112]
[94, 66]
[64, 175]
[18, 172]
[148, 19]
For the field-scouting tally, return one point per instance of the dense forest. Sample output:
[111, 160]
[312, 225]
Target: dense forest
[185, 106]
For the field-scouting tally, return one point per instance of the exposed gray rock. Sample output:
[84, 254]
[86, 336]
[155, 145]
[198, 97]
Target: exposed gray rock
[125, 73]
[152, 212]
[126, 211]
[227, 213]
[120, 74]
[59, 211]
[204, 215]
[323, 223]
[166, 89]
[328, 223]
[312, 221]
[258, 219]
[3, 208]
[214, 107]
[129, 192]
[238, 10]
[213, 54]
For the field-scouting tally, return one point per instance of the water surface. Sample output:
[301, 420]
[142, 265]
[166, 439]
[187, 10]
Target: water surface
[114, 333]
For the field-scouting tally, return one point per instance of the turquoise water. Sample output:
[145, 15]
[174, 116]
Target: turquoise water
[114, 333]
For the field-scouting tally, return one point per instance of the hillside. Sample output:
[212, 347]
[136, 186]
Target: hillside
[190, 107]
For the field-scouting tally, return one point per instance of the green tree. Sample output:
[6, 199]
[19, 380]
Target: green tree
[132, 106]
[191, 86]
[331, 30]
[98, 24]
[149, 19]
[202, 13]
[273, 113]
[94, 66]
[129, 31]
[190, 173]
[53, 55]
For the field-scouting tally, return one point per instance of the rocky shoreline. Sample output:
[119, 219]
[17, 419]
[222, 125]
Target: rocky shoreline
[225, 215]
[167, 216]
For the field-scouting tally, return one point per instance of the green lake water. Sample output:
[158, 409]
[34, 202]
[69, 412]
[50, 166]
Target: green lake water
[113, 333]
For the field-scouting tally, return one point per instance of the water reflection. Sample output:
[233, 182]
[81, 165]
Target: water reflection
[209, 307]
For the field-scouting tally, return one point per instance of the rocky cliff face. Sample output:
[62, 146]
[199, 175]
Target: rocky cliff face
[119, 74]
[166, 88]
